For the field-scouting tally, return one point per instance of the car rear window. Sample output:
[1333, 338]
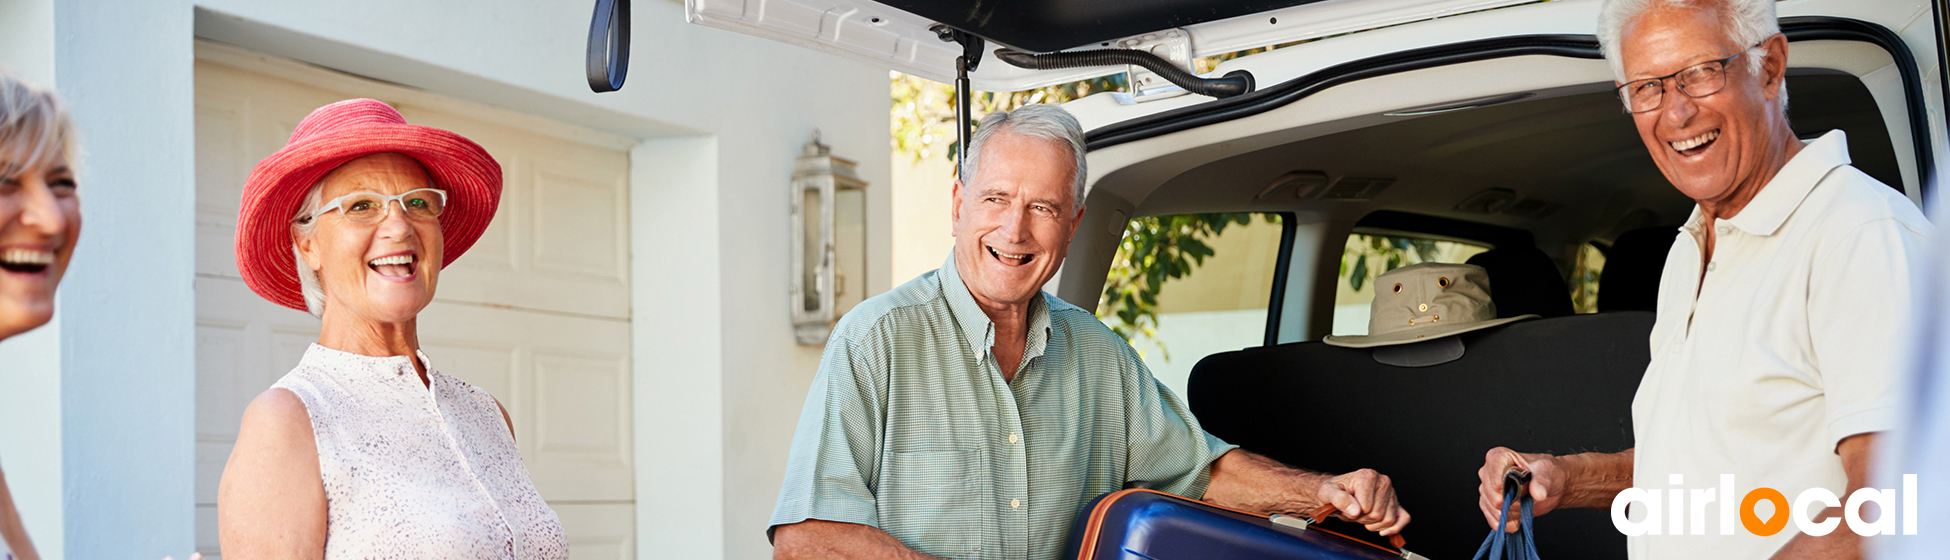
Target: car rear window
[1186, 286]
[1584, 278]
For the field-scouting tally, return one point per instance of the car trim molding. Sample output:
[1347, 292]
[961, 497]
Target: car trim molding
[1809, 28]
[1845, 29]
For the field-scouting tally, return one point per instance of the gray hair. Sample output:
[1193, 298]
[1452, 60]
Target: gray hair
[1041, 120]
[1746, 22]
[35, 128]
[307, 278]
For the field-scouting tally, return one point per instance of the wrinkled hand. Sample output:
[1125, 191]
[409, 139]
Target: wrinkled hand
[1547, 477]
[1365, 497]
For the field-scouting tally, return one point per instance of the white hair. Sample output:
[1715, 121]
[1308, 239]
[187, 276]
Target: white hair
[1746, 22]
[307, 278]
[1041, 120]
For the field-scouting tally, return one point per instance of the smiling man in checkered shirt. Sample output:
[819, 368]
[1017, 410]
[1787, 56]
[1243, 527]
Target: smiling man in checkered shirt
[967, 414]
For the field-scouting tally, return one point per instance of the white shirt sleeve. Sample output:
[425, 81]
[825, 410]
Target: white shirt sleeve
[1864, 288]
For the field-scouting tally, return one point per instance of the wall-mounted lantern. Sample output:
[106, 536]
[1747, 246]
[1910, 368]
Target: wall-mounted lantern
[829, 241]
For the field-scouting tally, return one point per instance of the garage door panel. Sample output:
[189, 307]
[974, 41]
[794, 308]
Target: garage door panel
[492, 367]
[211, 455]
[206, 531]
[578, 406]
[599, 531]
[219, 348]
[568, 393]
[559, 240]
[494, 253]
[222, 123]
[572, 258]
[243, 345]
[580, 226]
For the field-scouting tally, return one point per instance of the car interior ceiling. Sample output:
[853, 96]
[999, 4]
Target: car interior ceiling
[1571, 167]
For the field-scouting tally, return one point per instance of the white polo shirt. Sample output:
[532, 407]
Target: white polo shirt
[1789, 342]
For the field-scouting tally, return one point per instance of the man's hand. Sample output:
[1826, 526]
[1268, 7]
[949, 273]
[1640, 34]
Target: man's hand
[1247, 481]
[1366, 497]
[1546, 484]
[1584, 480]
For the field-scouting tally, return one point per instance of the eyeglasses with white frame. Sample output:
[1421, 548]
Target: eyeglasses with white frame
[365, 208]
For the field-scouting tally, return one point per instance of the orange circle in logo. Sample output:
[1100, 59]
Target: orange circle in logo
[1774, 523]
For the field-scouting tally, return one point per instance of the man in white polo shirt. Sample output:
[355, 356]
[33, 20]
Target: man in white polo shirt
[1783, 301]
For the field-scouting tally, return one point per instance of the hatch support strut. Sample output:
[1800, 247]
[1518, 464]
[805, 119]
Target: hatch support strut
[971, 57]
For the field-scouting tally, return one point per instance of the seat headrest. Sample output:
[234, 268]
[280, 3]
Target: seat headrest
[1524, 281]
[1630, 280]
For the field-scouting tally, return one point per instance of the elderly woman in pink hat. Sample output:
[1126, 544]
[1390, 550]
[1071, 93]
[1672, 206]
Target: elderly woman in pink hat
[40, 219]
[365, 449]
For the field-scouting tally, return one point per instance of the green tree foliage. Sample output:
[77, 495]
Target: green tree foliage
[1155, 250]
[1368, 256]
[923, 123]
[1584, 278]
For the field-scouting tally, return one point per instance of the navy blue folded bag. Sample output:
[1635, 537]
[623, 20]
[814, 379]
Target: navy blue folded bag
[1140, 524]
[1521, 545]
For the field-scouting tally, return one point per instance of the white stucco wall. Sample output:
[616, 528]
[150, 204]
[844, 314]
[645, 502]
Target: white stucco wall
[719, 380]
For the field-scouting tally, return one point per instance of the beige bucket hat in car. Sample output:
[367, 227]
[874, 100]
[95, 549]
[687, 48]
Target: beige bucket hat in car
[1427, 301]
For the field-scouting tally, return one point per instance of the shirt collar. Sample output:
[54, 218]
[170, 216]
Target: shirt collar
[394, 365]
[1777, 200]
[975, 324]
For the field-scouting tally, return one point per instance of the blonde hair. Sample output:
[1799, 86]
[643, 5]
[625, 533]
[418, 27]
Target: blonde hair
[35, 129]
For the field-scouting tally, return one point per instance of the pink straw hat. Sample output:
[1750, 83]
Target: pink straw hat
[329, 137]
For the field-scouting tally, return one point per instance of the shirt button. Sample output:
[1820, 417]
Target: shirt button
[1712, 265]
[1015, 504]
[1726, 230]
[1013, 438]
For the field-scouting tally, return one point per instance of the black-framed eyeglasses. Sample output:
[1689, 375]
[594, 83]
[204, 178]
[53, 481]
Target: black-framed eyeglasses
[1696, 81]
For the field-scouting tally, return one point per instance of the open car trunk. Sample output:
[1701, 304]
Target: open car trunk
[1421, 132]
[1407, 112]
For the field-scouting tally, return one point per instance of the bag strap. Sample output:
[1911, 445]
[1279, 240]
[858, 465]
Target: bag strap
[1521, 545]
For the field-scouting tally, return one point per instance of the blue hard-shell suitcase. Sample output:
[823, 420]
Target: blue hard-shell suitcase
[1140, 524]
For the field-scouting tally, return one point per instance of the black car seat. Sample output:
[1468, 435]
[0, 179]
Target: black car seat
[1630, 280]
[1559, 385]
[1523, 281]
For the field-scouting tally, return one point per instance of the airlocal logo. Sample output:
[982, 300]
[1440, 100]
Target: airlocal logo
[1679, 502]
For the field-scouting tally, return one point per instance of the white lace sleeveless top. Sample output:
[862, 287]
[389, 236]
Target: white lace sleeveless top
[413, 471]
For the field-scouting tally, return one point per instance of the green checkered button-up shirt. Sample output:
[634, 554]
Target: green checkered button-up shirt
[910, 428]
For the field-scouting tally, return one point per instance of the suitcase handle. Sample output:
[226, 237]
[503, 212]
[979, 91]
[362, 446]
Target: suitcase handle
[1325, 511]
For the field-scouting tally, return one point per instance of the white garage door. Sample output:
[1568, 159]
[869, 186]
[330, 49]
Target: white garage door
[537, 313]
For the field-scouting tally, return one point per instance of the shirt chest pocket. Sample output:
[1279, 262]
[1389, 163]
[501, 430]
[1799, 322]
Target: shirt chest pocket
[934, 501]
